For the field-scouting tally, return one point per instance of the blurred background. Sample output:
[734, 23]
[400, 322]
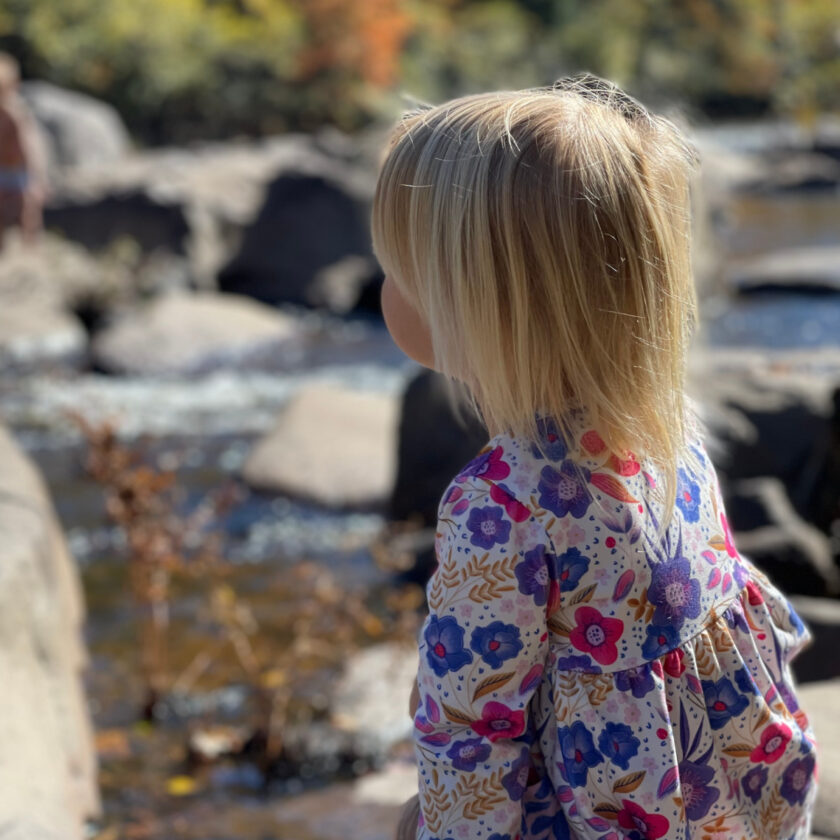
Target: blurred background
[219, 476]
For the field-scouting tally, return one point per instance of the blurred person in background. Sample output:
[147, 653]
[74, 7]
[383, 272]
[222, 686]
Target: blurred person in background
[22, 172]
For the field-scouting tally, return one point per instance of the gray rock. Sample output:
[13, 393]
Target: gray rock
[820, 660]
[331, 445]
[795, 171]
[183, 333]
[48, 773]
[37, 337]
[80, 130]
[820, 701]
[794, 269]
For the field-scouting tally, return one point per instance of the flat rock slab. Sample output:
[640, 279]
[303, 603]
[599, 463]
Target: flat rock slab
[820, 701]
[34, 336]
[794, 269]
[193, 333]
[331, 445]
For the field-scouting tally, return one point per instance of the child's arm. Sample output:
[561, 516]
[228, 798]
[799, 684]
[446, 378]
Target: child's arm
[482, 651]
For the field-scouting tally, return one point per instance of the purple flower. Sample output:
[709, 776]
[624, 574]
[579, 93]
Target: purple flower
[579, 753]
[688, 496]
[577, 663]
[734, 615]
[534, 573]
[661, 638]
[788, 697]
[698, 795]
[674, 593]
[466, 754]
[557, 823]
[571, 566]
[637, 680]
[516, 780]
[754, 781]
[797, 779]
[722, 701]
[496, 642]
[618, 744]
[488, 527]
[445, 645]
[564, 491]
[487, 465]
[551, 443]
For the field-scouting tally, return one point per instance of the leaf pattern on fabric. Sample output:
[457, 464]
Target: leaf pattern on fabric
[582, 676]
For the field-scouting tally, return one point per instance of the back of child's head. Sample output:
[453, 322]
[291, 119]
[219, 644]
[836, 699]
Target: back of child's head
[544, 235]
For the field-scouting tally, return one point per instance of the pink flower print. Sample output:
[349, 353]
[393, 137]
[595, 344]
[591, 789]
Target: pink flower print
[575, 535]
[727, 536]
[672, 662]
[487, 464]
[513, 508]
[774, 740]
[648, 826]
[632, 713]
[499, 721]
[754, 593]
[596, 634]
[601, 574]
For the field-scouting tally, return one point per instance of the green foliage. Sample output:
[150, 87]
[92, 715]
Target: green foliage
[180, 68]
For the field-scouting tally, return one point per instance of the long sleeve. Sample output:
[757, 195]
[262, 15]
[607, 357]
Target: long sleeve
[483, 648]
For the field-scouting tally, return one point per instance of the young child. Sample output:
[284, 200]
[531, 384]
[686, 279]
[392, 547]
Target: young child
[598, 660]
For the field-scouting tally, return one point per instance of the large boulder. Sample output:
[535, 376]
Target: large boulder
[820, 701]
[79, 130]
[39, 337]
[48, 772]
[331, 445]
[437, 436]
[793, 269]
[194, 333]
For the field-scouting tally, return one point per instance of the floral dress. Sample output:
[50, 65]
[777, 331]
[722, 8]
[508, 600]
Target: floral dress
[582, 677]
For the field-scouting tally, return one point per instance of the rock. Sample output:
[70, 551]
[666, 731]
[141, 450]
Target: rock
[331, 445]
[794, 269]
[795, 171]
[371, 697]
[183, 333]
[80, 130]
[37, 337]
[434, 443]
[369, 807]
[351, 284]
[820, 701]
[203, 201]
[59, 274]
[48, 773]
[768, 530]
[307, 223]
[818, 661]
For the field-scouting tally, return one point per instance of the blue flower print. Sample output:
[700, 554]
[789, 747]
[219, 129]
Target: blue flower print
[445, 645]
[467, 754]
[754, 781]
[688, 496]
[745, 682]
[516, 779]
[639, 681]
[734, 615]
[795, 620]
[571, 566]
[579, 752]
[488, 527]
[577, 663]
[496, 642]
[564, 491]
[797, 779]
[660, 639]
[722, 701]
[551, 443]
[698, 795]
[674, 593]
[618, 744]
[534, 574]
[558, 824]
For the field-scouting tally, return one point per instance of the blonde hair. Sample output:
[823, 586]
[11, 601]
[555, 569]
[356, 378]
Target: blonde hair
[544, 237]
